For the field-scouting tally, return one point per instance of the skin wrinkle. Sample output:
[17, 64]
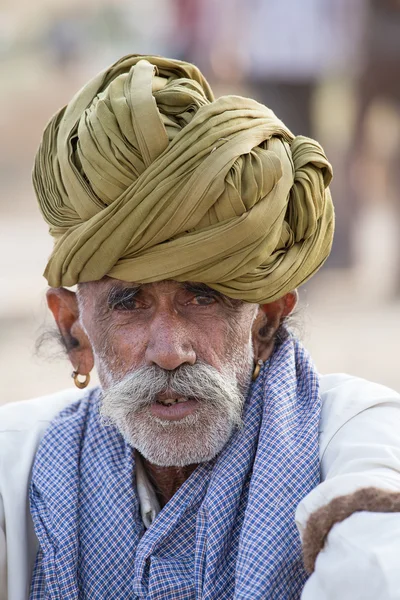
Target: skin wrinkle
[110, 329]
[108, 356]
[182, 338]
[105, 354]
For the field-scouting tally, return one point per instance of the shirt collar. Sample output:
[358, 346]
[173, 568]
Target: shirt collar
[148, 502]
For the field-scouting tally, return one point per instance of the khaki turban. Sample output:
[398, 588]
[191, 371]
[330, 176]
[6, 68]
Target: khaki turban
[143, 176]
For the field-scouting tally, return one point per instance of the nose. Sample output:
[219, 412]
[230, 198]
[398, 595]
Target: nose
[169, 344]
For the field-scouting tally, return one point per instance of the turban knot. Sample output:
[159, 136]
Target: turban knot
[143, 176]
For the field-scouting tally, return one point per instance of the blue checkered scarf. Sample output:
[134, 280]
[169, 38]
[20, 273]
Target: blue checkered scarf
[228, 532]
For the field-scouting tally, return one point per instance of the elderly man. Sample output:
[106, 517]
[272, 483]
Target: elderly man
[187, 224]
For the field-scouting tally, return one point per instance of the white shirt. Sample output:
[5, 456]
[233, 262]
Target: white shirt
[359, 447]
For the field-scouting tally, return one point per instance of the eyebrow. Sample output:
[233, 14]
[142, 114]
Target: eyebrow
[201, 288]
[117, 294]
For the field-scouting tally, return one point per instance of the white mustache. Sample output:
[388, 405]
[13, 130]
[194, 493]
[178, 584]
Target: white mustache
[200, 381]
[193, 439]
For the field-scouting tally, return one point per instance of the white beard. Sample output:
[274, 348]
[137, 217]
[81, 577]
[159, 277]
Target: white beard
[196, 438]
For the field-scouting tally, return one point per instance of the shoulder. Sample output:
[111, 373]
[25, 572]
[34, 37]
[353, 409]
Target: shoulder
[23, 424]
[344, 398]
[352, 388]
[36, 413]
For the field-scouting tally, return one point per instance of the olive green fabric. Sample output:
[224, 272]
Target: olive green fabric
[143, 176]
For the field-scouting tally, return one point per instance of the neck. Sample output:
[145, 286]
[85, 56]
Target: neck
[167, 480]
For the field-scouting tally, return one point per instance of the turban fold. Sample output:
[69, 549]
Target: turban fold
[143, 176]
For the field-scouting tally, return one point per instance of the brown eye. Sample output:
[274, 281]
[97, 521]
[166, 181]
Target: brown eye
[128, 304]
[203, 300]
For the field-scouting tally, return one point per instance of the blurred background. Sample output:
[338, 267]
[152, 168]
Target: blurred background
[328, 68]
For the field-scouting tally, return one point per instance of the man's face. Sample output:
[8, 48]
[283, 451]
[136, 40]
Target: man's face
[175, 362]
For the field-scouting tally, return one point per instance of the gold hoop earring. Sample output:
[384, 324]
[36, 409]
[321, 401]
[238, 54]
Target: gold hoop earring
[257, 369]
[80, 384]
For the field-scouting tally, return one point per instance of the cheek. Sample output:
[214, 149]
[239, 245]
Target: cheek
[209, 339]
[221, 340]
[120, 347]
[239, 336]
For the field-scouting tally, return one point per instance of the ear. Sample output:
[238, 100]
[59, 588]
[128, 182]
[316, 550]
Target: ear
[64, 306]
[267, 323]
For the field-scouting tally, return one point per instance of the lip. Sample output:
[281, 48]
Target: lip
[175, 412]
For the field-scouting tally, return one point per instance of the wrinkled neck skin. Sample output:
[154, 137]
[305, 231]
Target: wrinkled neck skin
[167, 480]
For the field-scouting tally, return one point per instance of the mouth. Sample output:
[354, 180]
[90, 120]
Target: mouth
[171, 401]
[173, 408]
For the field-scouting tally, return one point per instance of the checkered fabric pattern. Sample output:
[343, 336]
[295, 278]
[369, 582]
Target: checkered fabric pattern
[229, 531]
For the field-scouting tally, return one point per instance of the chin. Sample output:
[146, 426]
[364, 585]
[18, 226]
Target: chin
[191, 440]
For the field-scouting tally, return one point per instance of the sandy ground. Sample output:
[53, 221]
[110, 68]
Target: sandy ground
[346, 329]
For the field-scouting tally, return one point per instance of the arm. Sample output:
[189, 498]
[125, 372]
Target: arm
[350, 523]
[3, 559]
[22, 425]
